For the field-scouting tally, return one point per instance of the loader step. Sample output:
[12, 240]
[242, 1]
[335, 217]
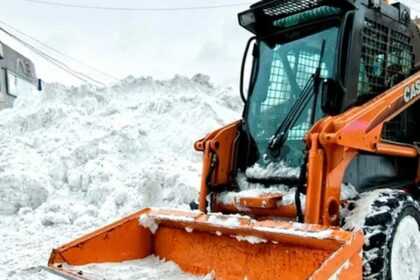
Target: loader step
[269, 201]
[256, 203]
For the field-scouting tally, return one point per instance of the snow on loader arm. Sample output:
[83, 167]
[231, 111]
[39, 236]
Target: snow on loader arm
[229, 246]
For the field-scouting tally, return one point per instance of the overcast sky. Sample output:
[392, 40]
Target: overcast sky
[158, 44]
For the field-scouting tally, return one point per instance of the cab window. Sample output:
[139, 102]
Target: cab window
[387, 58]
[17, 86]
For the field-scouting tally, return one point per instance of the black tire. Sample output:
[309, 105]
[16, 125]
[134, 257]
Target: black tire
[379, 213]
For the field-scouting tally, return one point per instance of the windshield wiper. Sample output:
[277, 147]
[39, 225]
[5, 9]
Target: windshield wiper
[280, 137]
[311, 88]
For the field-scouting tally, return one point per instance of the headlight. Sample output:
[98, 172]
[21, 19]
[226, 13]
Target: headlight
[247, 19]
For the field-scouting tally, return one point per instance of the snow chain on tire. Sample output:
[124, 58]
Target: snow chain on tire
[381, 218]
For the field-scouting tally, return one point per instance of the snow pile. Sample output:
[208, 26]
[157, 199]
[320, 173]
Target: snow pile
[149, 222]
[297, 230]
[251, 239]
[355, 218]
[150, 268]
[73, 159]
[236, 221]
[272, 170]
[348, 192]
[229, 221]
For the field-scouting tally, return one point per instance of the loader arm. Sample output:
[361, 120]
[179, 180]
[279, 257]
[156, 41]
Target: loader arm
[219, 153]
[335, 141]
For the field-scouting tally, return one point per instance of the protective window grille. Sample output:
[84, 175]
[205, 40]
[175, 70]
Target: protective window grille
[387, 58]
[396, 129]
[400, 58]
[288, 7]
[400, 63]
[302, 64]
[404, 127]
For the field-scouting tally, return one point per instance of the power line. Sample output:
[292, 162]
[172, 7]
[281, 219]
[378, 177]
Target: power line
[128, 9]
[154, 9]
[83, 77]
[58, 51]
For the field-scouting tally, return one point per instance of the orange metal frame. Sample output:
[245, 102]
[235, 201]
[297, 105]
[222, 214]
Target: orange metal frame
[220, 143]
[290, 251]
[333, 142]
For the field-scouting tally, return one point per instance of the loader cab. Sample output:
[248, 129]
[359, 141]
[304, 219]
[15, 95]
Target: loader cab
[17, 76]
[359, 47]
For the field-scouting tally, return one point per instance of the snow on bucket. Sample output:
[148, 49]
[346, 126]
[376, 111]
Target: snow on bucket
[229, 247]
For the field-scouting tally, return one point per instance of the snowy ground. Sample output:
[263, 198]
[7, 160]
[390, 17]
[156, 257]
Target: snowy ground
[75, 159]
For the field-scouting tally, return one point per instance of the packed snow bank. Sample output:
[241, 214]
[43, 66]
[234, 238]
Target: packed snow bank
[150, 268]
[73, 159]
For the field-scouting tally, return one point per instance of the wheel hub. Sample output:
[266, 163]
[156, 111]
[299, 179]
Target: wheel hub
[405, 254]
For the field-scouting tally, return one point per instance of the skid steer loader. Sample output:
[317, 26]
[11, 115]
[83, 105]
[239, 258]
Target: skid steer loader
[319, 179]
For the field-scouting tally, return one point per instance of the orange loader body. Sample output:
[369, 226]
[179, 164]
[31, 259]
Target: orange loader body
[256, 238]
